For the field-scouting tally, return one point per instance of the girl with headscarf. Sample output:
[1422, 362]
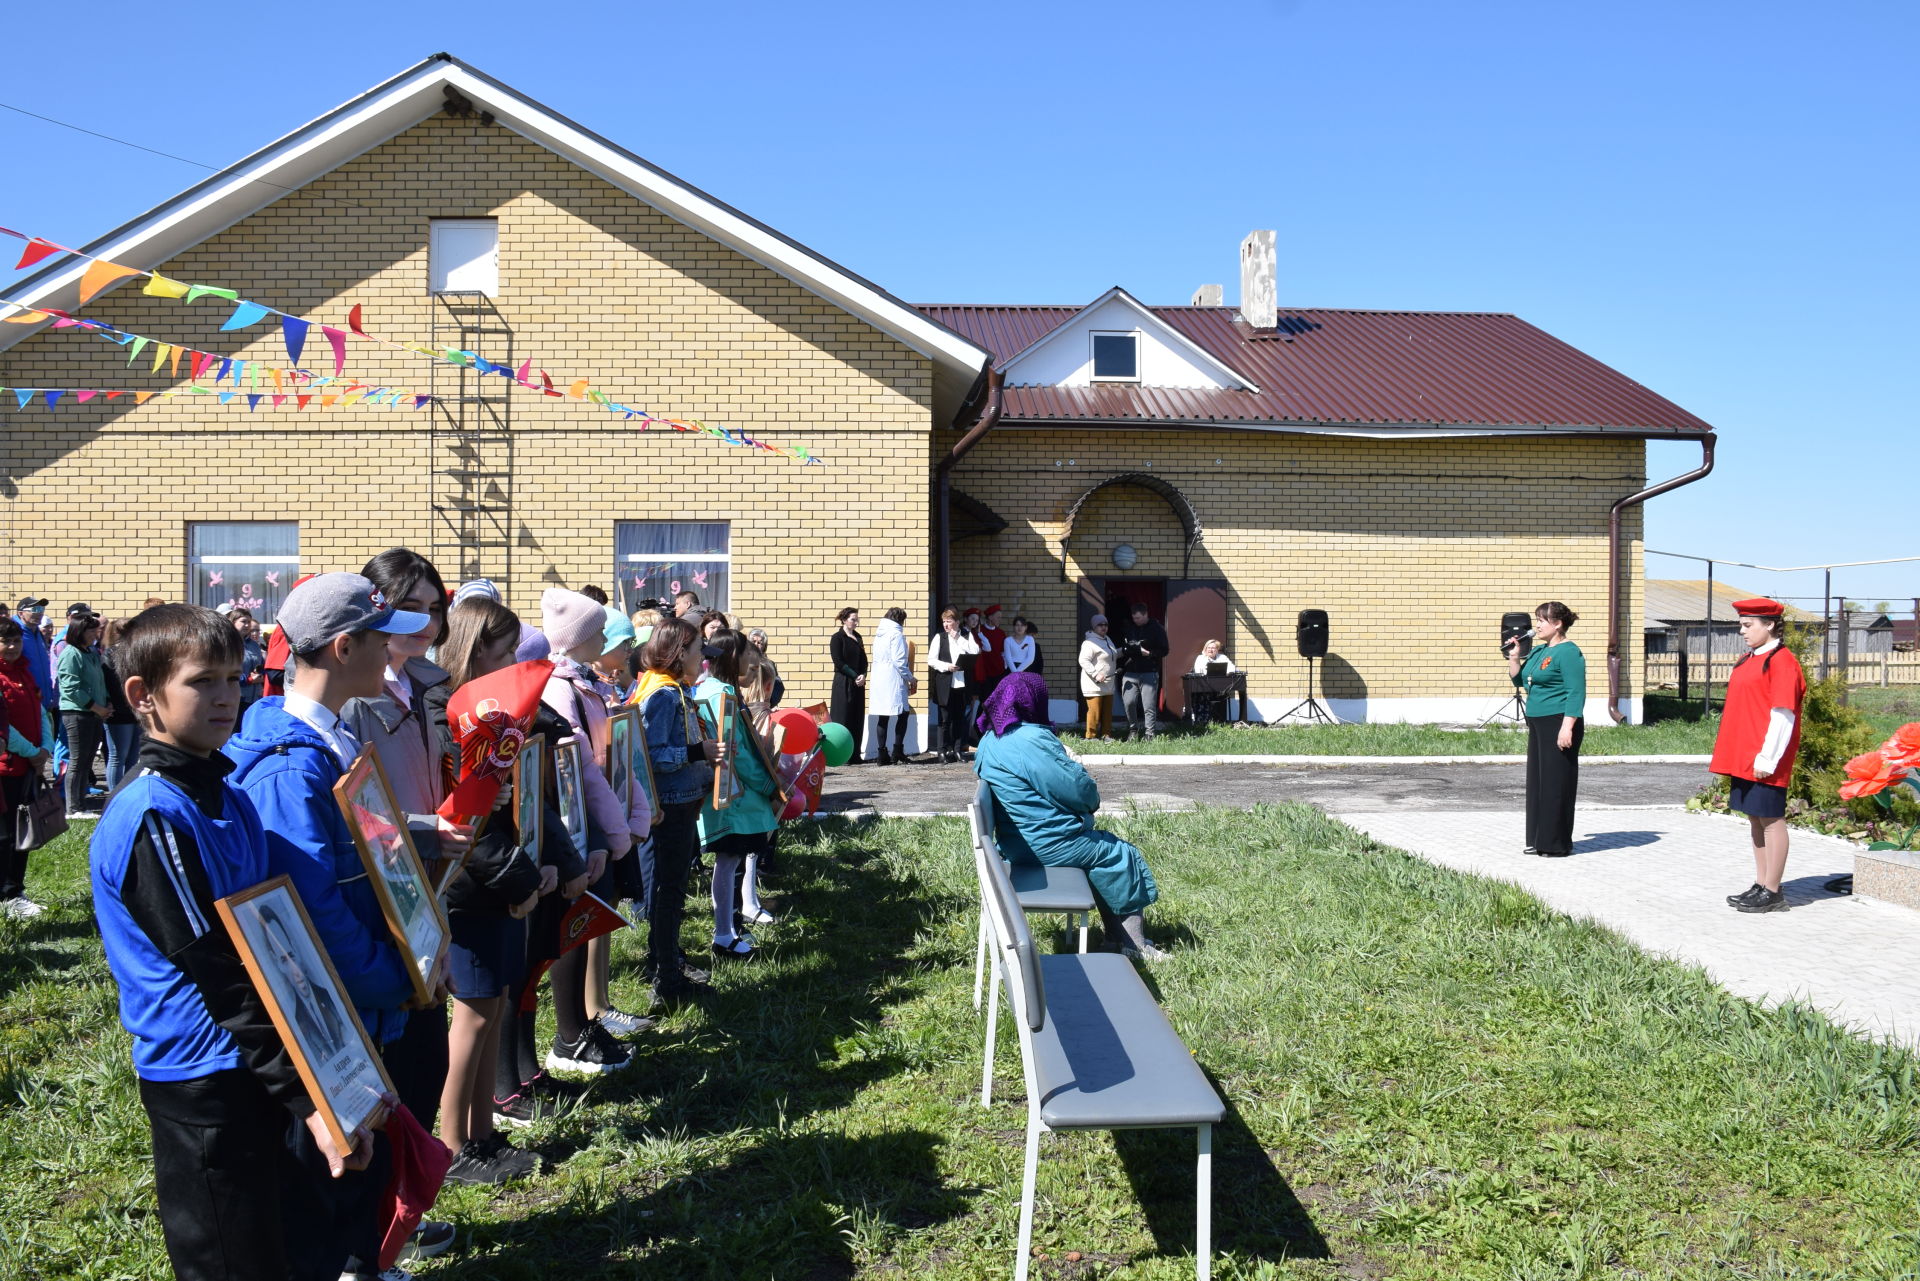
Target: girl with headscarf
[1043, 807]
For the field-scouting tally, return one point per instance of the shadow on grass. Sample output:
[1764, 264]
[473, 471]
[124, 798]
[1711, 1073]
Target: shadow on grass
[799, 1206]
[1255, 1213]
[35, 949]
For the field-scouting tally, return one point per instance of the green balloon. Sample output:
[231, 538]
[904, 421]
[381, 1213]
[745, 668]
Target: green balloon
[836, 743]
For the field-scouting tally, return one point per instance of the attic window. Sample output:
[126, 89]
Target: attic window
[463, 256]
[1116, 358]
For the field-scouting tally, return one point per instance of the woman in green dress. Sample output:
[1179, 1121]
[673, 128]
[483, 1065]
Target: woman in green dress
[1554, 675]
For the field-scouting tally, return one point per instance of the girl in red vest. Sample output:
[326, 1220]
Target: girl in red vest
[1758, 741]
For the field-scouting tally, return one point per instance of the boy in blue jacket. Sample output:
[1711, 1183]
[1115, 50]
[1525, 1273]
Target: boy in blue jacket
[287, 758]
[236, 1141]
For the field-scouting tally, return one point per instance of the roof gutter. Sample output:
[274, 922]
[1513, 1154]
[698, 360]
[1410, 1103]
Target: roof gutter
[943, 482]
[1707, 443]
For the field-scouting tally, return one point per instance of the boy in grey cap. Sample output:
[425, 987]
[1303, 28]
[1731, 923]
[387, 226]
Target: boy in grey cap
[287, 758]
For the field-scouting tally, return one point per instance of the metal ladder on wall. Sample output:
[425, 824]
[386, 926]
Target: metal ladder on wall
[472, 444]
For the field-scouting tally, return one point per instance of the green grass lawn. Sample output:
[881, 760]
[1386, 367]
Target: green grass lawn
[1429, 1076]
[1671, 737]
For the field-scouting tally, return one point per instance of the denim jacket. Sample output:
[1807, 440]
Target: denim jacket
[681, 772]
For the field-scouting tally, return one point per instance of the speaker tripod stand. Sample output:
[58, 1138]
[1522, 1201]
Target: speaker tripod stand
[1514, 709]
[1310, 708]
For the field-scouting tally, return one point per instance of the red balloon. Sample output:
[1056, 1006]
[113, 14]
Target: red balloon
[802, 732]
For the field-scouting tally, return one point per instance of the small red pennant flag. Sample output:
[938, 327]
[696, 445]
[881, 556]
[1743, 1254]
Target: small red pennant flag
[36, 250]
[354, 322]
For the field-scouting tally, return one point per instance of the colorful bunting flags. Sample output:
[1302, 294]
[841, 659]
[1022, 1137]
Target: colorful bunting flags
[23, 396]
[102, 274]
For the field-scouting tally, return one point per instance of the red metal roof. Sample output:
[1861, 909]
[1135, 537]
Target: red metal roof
[1334, 366]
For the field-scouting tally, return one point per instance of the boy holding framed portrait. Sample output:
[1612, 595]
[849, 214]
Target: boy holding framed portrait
[237, 1137]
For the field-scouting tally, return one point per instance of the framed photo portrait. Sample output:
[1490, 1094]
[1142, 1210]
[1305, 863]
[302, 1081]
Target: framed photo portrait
[622, 728]
[570, 788]
[642, 762]
[726, 783]
[530, 793]
[303, 994]
[766, 755]
[408, 898]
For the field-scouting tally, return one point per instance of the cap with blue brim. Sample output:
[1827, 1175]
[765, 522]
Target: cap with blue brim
[330, 605]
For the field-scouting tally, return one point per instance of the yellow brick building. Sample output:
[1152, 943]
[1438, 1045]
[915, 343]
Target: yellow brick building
[456, 213]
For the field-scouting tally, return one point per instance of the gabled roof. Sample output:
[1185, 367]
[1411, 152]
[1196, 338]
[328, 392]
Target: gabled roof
[1386, 373]
[1684, 600]
[1145, 318]
[416, 94]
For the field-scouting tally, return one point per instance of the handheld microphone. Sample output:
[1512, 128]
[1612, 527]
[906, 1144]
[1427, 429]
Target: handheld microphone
[1521, 639]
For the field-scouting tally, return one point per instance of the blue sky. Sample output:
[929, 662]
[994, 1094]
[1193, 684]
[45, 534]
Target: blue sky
[1716, 198]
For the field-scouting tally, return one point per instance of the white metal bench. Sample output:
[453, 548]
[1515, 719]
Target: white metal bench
[1038, 887]
[1096, 1049]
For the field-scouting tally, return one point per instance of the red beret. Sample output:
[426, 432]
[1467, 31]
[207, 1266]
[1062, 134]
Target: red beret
[991, 609]
[1760, 607]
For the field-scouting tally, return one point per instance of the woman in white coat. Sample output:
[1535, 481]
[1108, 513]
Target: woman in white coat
[891, 686]
[1098, 662]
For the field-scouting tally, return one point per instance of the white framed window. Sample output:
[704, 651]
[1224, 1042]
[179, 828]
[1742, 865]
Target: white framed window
[463, 256]
[657, 559]
[249, 564]
[1116, 357]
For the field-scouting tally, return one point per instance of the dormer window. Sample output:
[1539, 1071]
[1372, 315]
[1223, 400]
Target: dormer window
[1116, 357]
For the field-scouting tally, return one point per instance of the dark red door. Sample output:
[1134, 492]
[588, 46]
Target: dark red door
[1196, 614]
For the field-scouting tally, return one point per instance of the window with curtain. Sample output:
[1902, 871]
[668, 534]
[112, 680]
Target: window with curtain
[249, 564]
[659, 558]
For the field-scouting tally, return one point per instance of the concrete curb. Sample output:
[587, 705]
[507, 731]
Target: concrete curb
[1120, 758]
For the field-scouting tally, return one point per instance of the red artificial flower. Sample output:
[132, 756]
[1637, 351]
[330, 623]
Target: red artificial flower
[1869, 774]
[1903, 749]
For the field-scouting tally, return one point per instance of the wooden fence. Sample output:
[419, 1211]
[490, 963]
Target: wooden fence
[1684, 672]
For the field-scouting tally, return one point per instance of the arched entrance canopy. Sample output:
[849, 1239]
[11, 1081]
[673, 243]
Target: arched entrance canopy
[1189, 519]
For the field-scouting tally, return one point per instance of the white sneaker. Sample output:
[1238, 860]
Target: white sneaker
[76, 816]
[21, 909]
[1147, 951]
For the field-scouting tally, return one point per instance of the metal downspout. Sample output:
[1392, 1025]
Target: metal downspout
[1707, 443]
[942, 480]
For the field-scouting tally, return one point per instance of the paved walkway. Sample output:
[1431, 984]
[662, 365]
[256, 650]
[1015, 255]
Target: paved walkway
[1660, 878]
[946, 789]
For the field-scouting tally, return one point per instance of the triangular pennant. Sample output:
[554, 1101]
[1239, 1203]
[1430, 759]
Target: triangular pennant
[578, 391]
[173, 362]
[27, 318]
[295, 332]
[244, 314]
[226, 365]
[525, 369]
[419, 401]
[278, 401]
[53, 398]
[142, 397]
[158, 286]
[201, 359]
[36, 250]
[134, 354]
[326, 402]
[160, 351]
[226, 396]
[101, 274]
[196, 292]
[353, 321]
[277, 384]
[302, 400]
[84, 396]
[253, 403]
[338, 341]
[24, 397]
[253, 373]
[485, 366]
[115, 395]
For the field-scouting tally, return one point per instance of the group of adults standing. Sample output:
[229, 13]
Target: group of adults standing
[1755, 747]
[965, 660]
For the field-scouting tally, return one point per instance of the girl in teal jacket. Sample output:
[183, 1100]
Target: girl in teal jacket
[743, 829]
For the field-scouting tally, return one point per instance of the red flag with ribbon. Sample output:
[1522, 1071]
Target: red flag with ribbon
[490, 717]
[587, 917]
[802, 782]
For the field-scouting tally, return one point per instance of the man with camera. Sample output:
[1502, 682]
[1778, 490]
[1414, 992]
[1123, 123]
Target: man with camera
[1140, 655]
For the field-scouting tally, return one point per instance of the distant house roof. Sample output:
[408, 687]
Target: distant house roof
[1391, 373]
[1684, 600]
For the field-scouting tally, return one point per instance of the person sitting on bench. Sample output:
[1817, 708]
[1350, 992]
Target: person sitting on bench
[1043, 807]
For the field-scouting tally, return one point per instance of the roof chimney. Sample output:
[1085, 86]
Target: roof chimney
[1258, 305]
[1208, 296]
